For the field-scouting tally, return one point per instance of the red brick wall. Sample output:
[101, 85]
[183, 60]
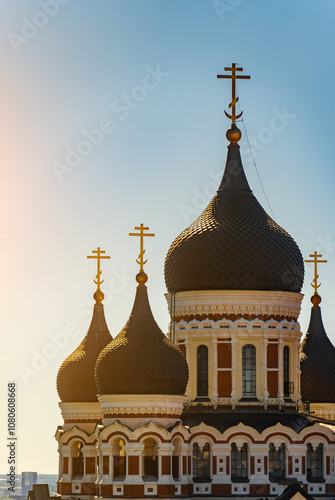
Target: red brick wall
[65, 465]
[166, 465]
[224, 384]
[221, 489]
[273, 384]
[166, 490]
[224, 355]
[227, 466]
[186, 489]
[252, 465]
[184, 466]
[107, 490]
[259, 489]
[272, 355]
[89, 489]
[266, 465]
[290, 466]
[105, 465]
[214, 465]
[133, 466]
[327, 465]
[303, 465]
[330, 489]
[189, 467]
[133, 490]
[90, 465]
[65, 488]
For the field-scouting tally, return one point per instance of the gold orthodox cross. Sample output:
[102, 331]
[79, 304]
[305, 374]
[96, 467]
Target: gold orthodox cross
[234, 100]
[315, 260]
[141, 234]
[98, 282]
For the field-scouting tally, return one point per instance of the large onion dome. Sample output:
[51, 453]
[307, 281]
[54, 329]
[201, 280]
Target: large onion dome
[141, 360]
[75, 379]
[234, 244]
[317, 360]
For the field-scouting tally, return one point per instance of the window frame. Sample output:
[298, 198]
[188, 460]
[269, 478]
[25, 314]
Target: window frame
[236, 459]
[248, 372]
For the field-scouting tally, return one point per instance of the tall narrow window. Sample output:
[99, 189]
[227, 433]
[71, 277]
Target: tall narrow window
[150, 458]
[276, 463]
[202, 371]
[249, 371]
[119, 459]
[315, 463]
[77, 460]
[286, 372]
[239, 463]
[201, 463]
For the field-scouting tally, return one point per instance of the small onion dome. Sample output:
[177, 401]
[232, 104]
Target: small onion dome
[141, 360]
[234, 244]
[317, 360]
[75, 379]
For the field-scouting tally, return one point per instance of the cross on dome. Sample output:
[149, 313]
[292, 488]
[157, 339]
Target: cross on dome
[98, 296]
[315, 260]
[141, 234]
[234, 100]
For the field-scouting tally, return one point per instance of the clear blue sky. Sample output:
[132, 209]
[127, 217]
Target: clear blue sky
[145, 72]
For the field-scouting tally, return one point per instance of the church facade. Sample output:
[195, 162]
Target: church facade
[213, 409]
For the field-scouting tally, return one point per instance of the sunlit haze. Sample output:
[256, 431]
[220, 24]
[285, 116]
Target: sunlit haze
[112, 116]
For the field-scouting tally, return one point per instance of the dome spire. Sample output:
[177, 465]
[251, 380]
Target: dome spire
[317, 353]
[98, 295]
[141, 277]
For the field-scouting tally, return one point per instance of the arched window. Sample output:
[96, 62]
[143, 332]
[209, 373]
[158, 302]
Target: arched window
[249, 371]
[77, 460]
[119, 459]
[176, 459]
[314, 463]
[276, 463]
[150, 459]
[202, 371]
[287, 384]
[239, 463]
[201, 463]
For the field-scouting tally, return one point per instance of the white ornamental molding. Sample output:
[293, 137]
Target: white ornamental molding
[239, 323]
[235, 302]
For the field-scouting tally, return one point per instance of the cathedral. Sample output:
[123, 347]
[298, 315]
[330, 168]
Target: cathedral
[228, 404]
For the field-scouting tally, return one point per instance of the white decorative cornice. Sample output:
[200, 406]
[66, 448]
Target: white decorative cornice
[81, 411]
[235, 302]
[137, 404]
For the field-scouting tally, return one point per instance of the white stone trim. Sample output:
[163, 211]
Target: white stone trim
[81, 411]
[240, 302]
[241, 322]
[114, 404]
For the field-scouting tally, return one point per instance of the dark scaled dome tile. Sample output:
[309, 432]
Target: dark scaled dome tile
[317, 363]
[243, 249]
[75, 379]
[141, 360]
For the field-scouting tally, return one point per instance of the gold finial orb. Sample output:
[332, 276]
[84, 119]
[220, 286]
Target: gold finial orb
[98, 296]
[316, 299]
[141, 278]
[233, 134]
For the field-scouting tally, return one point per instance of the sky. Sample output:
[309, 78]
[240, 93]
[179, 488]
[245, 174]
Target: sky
[112, 116]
